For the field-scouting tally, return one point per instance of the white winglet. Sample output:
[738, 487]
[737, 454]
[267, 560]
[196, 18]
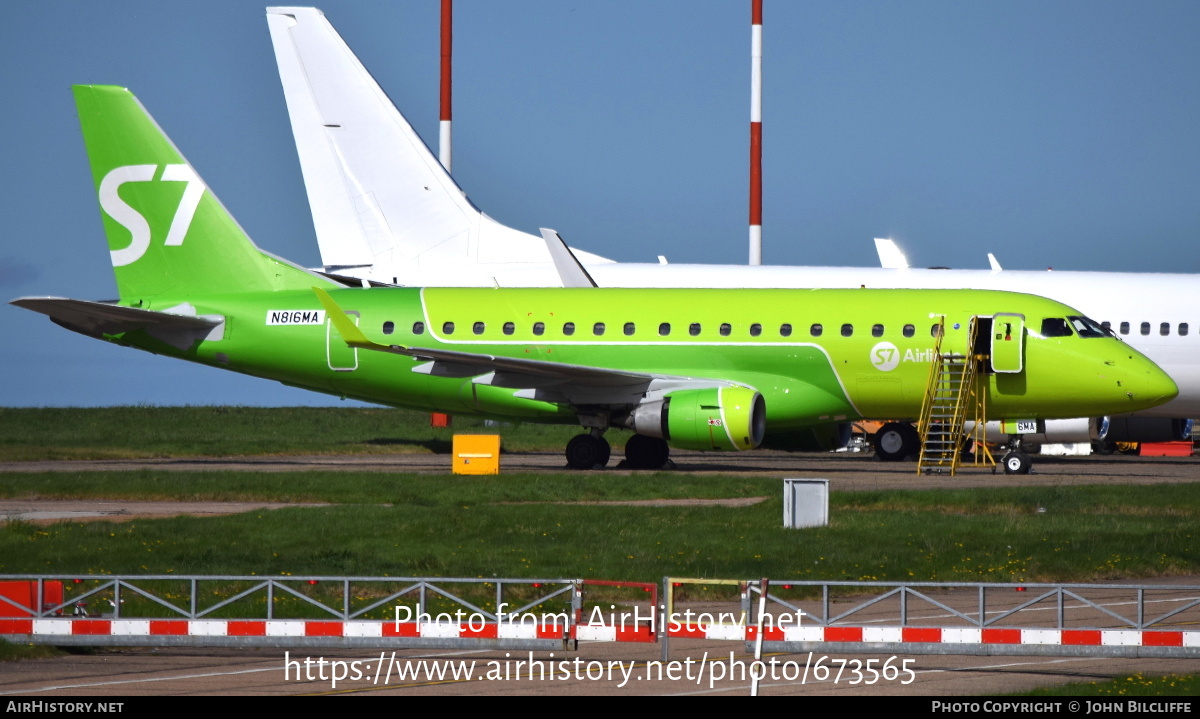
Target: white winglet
[570, 271]
[994, 263]
[890, 256]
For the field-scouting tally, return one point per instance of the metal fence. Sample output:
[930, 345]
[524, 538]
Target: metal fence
[555, 614]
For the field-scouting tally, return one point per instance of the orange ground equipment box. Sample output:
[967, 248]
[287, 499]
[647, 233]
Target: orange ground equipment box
[476, 454]
[1165, 449]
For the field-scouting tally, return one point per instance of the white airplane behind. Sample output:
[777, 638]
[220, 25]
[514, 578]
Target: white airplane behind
[383, 206]
[385, 210]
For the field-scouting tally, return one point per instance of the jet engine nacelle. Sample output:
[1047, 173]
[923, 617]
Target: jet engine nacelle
[1149, 429]
[713, 418]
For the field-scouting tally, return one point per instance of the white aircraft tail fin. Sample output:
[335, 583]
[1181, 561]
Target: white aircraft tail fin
[891, 257]
[994, 263]
[382, 203]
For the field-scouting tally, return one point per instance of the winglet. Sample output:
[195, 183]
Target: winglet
[570, 270]
[994, 263]
[891, 257]
[349, 331]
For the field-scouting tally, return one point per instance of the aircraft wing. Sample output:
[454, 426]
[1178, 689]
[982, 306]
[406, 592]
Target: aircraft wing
[538, 379]
[95, 319]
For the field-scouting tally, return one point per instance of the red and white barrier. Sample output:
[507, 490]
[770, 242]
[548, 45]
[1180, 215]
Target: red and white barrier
[943, 635]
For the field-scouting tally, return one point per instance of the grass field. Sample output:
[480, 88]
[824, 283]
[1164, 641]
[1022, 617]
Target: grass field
[31, 434]
[540, 525]
[1135, 685]
[524, 526]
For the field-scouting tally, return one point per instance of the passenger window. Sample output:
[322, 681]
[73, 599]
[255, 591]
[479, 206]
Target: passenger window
[509, 328]
[539, 328]
[478, 328]
[598, 329]
[1145, 328]
[629, 329]
[1164, 329]
[725, 329]
[877, 330]
[909, 330]
[1055, 327]
[568, 328]
[664, 329]
[755, 329]
[1124, 328]
[935, 331]
[1183, 329]
[785, 330]
[816, 330]
[447, 328]
[389, 327]
[418, 328]
[847, 330]
[694, 329]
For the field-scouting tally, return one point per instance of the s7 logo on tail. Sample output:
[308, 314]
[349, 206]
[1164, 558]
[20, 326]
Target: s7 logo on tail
[132, 220]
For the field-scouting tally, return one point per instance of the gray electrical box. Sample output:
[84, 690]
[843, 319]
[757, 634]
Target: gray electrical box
[805, 503]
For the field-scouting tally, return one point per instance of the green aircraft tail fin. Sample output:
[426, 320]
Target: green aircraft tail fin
[167, 233]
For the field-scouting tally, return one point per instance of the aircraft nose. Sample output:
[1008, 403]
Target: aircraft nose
[1147, 385]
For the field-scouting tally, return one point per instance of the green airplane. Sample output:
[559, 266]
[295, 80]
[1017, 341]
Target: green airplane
[699, 369]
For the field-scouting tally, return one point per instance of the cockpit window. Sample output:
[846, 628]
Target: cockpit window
[1087, 327]
[1055, 327]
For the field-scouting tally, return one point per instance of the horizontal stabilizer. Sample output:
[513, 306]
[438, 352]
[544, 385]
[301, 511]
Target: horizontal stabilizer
[96, 319]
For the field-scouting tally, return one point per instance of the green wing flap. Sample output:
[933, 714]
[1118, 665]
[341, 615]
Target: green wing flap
[97, 319]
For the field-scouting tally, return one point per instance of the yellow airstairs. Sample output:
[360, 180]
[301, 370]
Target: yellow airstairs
[952, 396]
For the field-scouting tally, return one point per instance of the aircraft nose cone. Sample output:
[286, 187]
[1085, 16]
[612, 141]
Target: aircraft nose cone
[1150, 387]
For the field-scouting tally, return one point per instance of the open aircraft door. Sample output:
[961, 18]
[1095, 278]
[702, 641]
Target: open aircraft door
[1008, 343]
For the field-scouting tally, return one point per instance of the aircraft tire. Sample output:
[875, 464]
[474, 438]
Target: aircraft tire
[896, 441]
[586, 451]
[642, 452]
[1017, 463]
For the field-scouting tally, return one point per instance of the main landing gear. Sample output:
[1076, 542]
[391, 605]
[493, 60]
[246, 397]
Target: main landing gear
[592, 451]
[642, 452]
[588, 451]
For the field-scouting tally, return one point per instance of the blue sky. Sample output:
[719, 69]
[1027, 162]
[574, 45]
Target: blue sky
[1062, 134]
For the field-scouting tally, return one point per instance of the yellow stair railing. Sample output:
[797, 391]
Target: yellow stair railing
[952, 393]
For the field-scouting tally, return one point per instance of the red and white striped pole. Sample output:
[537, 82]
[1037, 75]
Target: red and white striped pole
[755, 132]
[444, 130]
[441, 419]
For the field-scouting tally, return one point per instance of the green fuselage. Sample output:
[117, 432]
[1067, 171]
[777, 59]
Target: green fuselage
[763, 339]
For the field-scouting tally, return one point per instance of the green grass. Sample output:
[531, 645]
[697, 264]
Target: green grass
[10, 652]
[33, 434]
[1137, 685]
[515, 526]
